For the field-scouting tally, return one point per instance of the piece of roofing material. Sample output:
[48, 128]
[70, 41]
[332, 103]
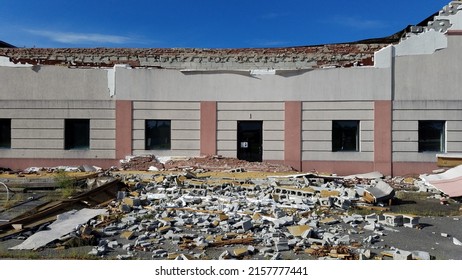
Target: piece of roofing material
[65, 223]
[449, 182]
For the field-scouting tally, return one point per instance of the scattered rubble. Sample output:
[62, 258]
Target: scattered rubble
[64, 225]
[185, 212]
[204, 163]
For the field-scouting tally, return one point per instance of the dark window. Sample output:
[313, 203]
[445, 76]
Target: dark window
[431, 136]
[345, 136]
[157, 135]
[5, 133]
[76, 134]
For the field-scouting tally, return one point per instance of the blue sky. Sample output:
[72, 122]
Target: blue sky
[204, 23]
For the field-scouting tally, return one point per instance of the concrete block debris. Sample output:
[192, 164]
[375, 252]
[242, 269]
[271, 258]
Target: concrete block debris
[398, 254]
[187, 213]
[379, 193]
[456, 241]
[299, 231]
[402, 255]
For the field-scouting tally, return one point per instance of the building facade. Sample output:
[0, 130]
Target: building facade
[387, 105]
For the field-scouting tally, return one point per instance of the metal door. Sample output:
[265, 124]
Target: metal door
[250, 140]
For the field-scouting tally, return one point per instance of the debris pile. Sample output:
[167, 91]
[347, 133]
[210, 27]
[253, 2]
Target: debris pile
[193, 214]
[142, 162]
[205, 163]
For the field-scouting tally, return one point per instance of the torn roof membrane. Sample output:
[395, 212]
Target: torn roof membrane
[449, 182]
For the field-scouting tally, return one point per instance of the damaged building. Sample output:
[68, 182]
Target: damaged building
[390, 104]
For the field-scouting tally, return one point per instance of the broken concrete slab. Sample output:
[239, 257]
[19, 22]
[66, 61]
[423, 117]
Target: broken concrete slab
[298, 231]
[421, 255]
[402, 255]
[127, 235]
[379, 193]
[329, 221]
[456, 241]
[240, 252]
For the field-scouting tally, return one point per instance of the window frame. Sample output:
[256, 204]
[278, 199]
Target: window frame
[424, 144]
[70, 140]
[7, 123]
[148, 145]
[335, 135]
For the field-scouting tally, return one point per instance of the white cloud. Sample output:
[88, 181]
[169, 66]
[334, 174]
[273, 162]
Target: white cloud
[81, 38]
[358, 23]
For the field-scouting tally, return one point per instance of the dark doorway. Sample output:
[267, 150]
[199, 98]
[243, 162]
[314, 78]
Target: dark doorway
[249, 140]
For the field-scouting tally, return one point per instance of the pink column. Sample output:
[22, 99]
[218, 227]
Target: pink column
[382, 136]
[208, 128]
[293, 134]
[454, 32]
[124, 125]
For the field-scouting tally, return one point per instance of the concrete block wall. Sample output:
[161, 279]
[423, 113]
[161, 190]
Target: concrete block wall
[317, 85]
[317, 120]
[272, 115]
[53, 83]
[37, 129]
[185, 126]
[430, 77]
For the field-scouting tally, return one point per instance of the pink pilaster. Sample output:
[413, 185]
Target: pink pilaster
[293, 134]
[208, 126]
[382, 136]
[124, 125]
